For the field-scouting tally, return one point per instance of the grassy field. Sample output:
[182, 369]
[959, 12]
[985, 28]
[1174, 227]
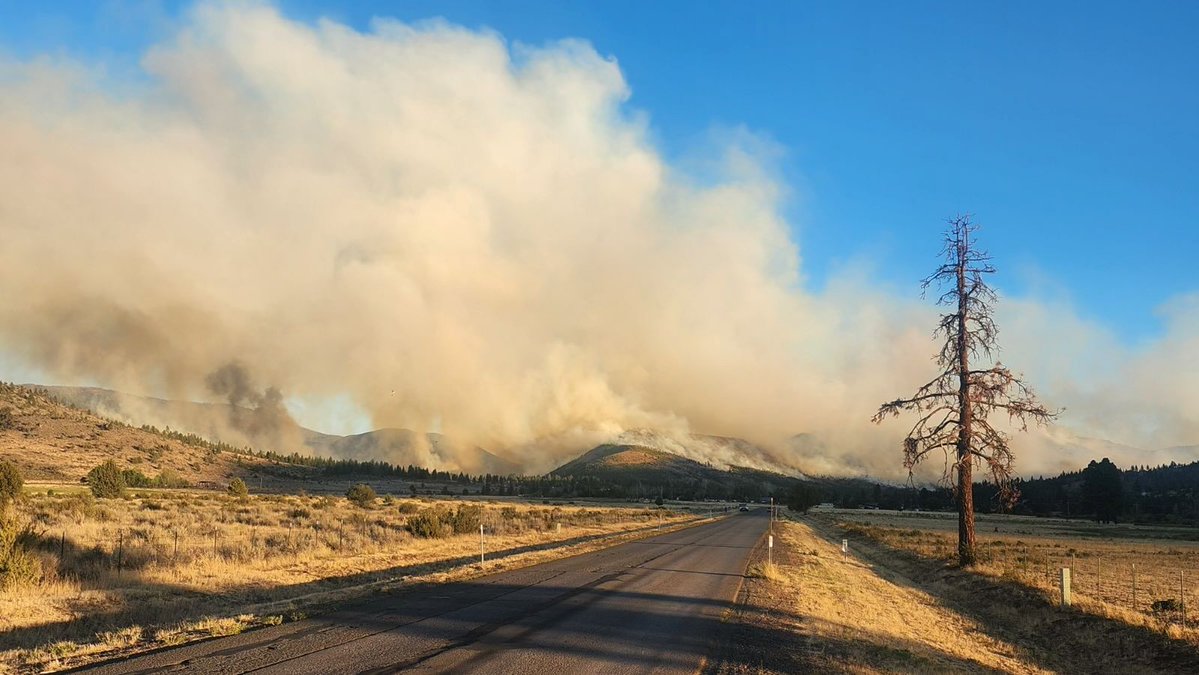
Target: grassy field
[163, 567]
[896, 603]
[1150, 571]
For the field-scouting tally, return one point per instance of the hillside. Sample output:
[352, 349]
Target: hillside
[404, 447]
[271, 428]
[640, 471]
[51, 441]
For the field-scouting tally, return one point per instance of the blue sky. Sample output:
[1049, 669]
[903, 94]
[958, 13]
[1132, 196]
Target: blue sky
[1067, 128]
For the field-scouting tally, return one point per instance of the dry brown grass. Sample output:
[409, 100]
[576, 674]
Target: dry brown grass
[819, 611]
[1009, 596]
[53, 442]
[115, 579]
[1103, 559]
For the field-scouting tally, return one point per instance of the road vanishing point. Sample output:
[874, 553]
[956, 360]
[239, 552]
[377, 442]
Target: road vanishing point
[653, 605]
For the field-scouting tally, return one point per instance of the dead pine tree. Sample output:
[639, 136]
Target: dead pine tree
[954, 407]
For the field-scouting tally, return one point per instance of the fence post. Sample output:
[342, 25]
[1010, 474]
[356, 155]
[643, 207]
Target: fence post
[62, 546]
[1182, 597]
[120, 550]
[175, 555]
[1134, 586]
[1065, 583]
[481, 545]
[1099, 578]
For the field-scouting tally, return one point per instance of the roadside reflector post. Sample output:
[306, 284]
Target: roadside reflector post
[480, 544]
[1065, 587]
[770, 550]
[844, 546]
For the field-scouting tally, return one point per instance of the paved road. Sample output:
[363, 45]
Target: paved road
[647, 606]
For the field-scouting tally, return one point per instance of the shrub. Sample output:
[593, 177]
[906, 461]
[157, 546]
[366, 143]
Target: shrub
[408, 507]
[11, 482]
[237, 488]
[106, 480]
[430, 524]
[18, 565]
[7, 421]
[361, 494]
[169, 478]
[136, 479]
[466, 519]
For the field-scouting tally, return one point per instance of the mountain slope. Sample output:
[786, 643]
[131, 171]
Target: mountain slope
[641, 471]
[50, 441]
[267, 428]
[404, 447]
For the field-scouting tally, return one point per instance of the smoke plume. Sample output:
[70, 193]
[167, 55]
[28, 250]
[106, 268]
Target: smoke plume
[463, 236]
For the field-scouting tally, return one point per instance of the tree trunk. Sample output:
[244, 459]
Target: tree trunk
[966, 555]
[965, 464]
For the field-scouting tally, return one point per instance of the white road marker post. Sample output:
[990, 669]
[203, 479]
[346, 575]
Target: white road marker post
[480, 544]
[770, 550]
[844, 547]
[1065, 582]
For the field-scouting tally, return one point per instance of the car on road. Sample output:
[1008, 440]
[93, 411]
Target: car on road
[743, 508]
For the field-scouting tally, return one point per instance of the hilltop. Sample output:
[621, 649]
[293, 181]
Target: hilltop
[643, 471]
[51, 441]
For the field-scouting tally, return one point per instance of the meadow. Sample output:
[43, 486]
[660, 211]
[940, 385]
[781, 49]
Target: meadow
[1150, 571]
[896, 602]
[161, 567]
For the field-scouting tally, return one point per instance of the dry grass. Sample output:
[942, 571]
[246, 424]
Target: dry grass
[166, 567]
[820, 611]
[1104, 560]
[54, 442]
[1008, 594]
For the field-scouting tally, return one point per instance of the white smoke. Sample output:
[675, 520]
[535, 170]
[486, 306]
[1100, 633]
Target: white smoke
[461, 235]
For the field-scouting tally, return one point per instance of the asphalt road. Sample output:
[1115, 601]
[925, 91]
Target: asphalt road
[652, 605]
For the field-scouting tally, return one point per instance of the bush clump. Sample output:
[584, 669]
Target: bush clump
[106, 480]
[361, 494]
[430, 524]
[169, 478]
[466, 519]
[136, 479]
[11, 482]
[237, 488]
[438, 522]
[18, 564]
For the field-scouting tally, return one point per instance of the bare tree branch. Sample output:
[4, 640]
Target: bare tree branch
[955, 405]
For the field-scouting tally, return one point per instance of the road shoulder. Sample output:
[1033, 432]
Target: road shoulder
[817, 610]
